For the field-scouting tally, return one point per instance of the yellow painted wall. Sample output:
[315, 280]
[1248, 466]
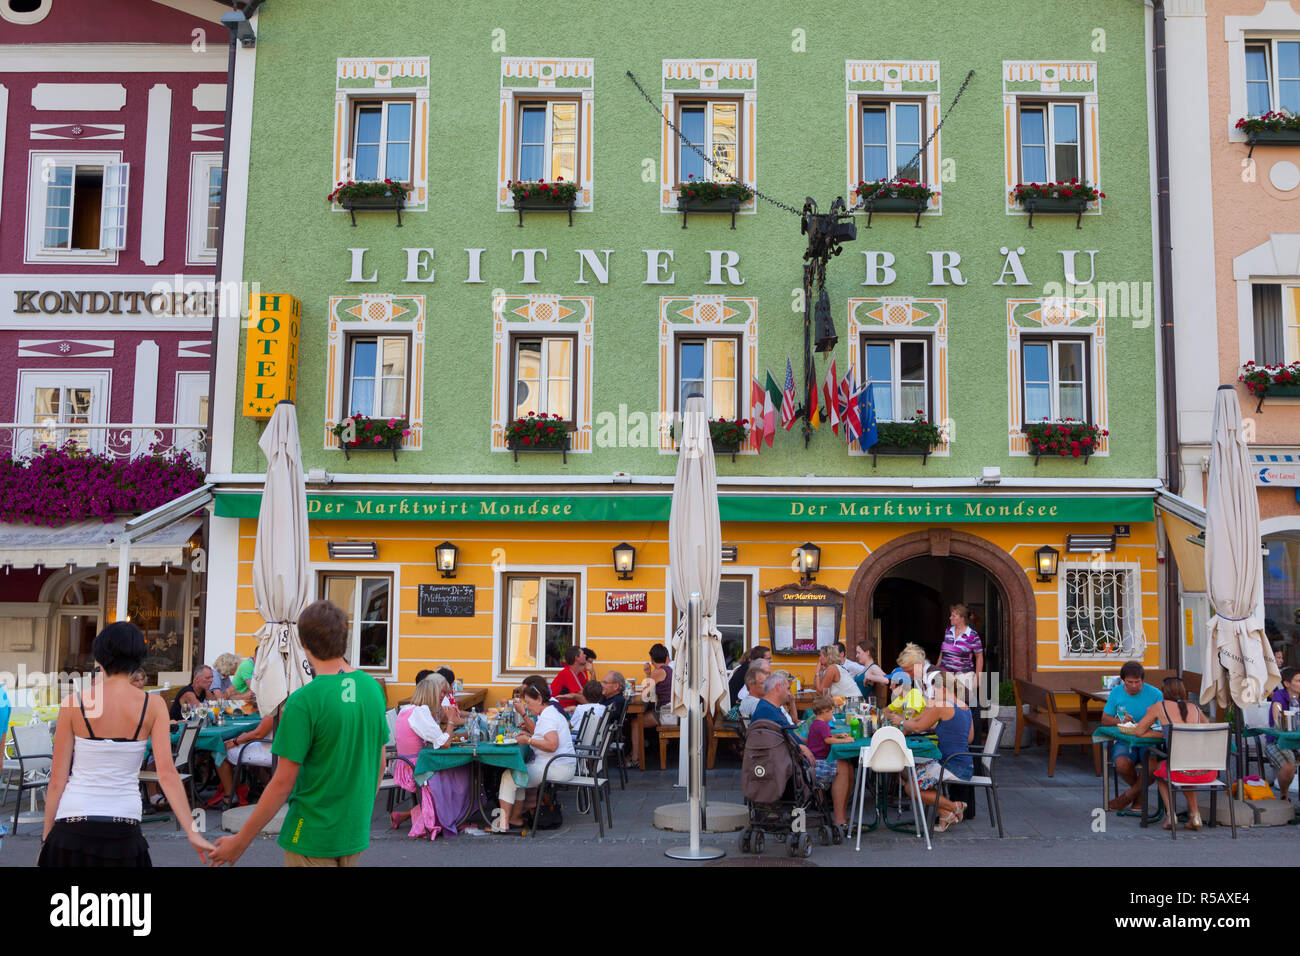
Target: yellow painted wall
[622, 641]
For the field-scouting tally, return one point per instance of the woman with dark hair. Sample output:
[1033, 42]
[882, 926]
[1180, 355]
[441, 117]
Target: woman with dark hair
[92, 813]
[550, 739]
[1162, 713]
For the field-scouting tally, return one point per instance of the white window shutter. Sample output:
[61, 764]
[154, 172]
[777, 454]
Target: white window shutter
[112, 221]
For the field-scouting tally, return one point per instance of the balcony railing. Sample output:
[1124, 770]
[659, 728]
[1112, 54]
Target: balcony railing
[116, 440]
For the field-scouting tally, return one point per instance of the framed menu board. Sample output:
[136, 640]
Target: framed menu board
[800, 620]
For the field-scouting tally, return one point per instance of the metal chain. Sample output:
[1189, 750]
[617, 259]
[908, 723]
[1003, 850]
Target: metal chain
[694, 149]
[776, 202]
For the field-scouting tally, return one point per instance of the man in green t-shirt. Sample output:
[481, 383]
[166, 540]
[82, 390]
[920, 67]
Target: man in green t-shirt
[331, 748]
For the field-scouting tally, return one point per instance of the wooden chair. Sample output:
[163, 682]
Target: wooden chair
[667, 733]
[1060, 728]
[719, 729]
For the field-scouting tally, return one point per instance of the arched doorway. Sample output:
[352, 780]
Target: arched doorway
[959, 556]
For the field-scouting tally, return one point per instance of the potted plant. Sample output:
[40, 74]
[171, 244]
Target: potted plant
[538, 433]
[896, 195]
[702, 195]
[369, 195]
[729, 435]
[1280, 381]
[1277, 128]
[1063, 197]
[912, 437]
[1063, 439]
[371, 434]
[542, 196]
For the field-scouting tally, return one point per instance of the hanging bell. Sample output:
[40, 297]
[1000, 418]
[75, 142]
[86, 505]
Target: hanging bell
[823, 326]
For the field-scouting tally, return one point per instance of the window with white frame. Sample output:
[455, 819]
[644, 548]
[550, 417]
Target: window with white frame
[204, 208]
[1101, 611]
[77, 206]
[1051, 141]
[56, 403]
[713, 128]
[892, 134]
[376, 376]
[1272, 76]
[543, 376]
[548, 141]
[1276, 315]
[367, 600]
[1054, 373]
[381, 140]
[709, 367]
[540, 621]
[898, 370]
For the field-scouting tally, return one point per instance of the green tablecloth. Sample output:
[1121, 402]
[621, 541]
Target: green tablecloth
[921, 745]
[1102, 734]
[506, 756]
[213, 739]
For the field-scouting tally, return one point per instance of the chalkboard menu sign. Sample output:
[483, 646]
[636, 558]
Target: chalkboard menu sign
[446, 600]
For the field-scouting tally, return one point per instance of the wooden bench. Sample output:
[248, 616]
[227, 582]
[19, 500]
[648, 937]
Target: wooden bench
[667, 733]
[1060, 728]
[719, 729]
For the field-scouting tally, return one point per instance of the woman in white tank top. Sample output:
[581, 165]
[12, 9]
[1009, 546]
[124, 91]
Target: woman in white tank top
[835, 680]
[92, 809]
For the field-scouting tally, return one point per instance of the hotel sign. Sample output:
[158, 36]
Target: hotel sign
[271, 360]
[804, 509]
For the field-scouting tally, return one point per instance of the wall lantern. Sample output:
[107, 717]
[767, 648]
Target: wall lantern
[446, 558]
[624, 561]
[810, 562]
[1047, 556]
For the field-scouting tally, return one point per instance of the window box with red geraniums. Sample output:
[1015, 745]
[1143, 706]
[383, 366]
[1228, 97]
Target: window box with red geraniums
[1279, 128]
[542, 196]
[1063, 439]
[702, 195]
[898, 195]
[1063, 197]
[369, 195]
[538, 433]
[1280, 381]
[728, 435]
[371, 434]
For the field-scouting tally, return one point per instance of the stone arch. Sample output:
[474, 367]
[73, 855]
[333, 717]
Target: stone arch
[1022, 613]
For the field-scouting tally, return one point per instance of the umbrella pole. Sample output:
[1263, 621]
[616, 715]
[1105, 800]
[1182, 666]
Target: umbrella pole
[694, 782]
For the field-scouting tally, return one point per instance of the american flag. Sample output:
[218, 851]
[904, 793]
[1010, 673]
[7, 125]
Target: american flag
[787, 398]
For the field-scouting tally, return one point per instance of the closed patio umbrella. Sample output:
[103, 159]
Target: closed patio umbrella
[695, 559]
[1238, 663]
[281, 561]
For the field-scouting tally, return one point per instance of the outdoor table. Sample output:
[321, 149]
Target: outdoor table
[470, 698]
[1101, 696]
[635, 708]
[923, 747]
[509, 757]
[1107, 737]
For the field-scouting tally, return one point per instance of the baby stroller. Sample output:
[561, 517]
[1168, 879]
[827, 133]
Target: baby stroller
[780, 794]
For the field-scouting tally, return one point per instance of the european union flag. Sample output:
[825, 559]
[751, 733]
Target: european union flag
[867, 415]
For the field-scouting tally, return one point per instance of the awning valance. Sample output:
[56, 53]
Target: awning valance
[86, 544]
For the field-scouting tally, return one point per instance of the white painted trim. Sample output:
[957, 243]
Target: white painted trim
[1278, 18]
[33, 251]
[190, 388]
[209, 97]
[847, 484]
[361, 569]
[114, 58]
[232, 259]
[4, 124]
[223, 584]
[26, 19]
[82, 97]
[1279, 524]
[196, 224]
[200, 9]
[499, 603]
[144, 400]
[157, 148]
[1277, 259]
[100, 381]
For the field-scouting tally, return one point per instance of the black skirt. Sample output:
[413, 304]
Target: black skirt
[94, 843]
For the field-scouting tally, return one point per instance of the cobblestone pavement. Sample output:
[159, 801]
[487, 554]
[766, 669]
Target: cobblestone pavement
[1048, 821]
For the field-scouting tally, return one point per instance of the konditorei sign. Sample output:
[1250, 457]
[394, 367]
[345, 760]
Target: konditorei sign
[271, 362]
[866, 509]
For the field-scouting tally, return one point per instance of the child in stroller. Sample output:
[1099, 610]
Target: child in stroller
[781, 794]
